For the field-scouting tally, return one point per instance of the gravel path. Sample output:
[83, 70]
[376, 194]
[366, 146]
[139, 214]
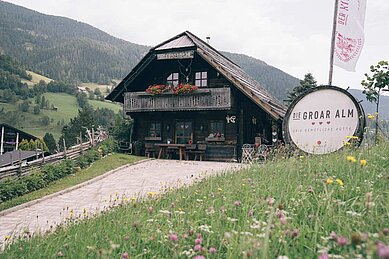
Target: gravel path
[133, 180]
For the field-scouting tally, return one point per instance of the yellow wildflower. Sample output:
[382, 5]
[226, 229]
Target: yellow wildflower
[369, 116]
[362, 162]
[330, 180]
[352, 137]
[220, 189]
[301, 157]
[7, 237]
[351, 159]
[340, 182]
[151, 194]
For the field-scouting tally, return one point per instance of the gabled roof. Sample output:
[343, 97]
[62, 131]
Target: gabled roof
[231, 71]
[17, 155]
[25, 134]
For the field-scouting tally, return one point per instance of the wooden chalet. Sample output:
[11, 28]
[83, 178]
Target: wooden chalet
[227, 110]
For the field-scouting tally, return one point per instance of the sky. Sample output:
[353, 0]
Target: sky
[292, 35]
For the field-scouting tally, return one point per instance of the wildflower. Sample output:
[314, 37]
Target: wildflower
[59, 254]
[340, 182]
[185, 236]
[199, 257]
[279, 214]
[323, 256]
[173, 237]
[219, 189]
[250, 213]
[212, 250]
[237, 203]
[151, 194]
[310, 189]
[362, 162]
[351, 159]
[385, 231]
[301, 157]
[198, 241]
[283, 220]
[330, 180]
[197, 248]
[125, 255]
[7, 237]
[342, 241]
[150, 209]
[191, 232]
[333, 236]
[295, 233]
[270, 201]
[369, 116]
[383, 251]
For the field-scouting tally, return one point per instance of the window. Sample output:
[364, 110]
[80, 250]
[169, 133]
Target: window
[216, 129]
[201, 79]
[155, 129]
[184, 132]
[172, 79]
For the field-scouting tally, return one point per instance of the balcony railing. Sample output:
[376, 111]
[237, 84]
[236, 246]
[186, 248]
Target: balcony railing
[202, 99]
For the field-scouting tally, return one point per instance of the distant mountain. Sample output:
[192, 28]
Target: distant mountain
[370, 108]
[67, 50]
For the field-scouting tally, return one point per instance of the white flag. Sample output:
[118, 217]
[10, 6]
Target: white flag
[349, 36]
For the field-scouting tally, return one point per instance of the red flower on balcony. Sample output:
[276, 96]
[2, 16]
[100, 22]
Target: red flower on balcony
[157, 89]
[184, 89]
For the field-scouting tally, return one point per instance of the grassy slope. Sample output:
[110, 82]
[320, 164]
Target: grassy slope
[36, 78]
[67, 109]
[232, 213]
[98, 168]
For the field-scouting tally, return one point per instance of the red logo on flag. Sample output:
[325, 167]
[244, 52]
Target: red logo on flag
[347, 48]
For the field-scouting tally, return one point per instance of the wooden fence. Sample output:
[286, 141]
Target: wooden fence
[70, 153]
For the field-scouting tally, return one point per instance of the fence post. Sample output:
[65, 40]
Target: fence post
[64, 147]
[43, 154]
[80, 142]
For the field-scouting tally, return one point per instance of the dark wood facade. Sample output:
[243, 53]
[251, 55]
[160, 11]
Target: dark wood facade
[228, 109]
[11, 137]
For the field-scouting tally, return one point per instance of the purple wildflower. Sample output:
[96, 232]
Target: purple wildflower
[197, 248]
[342, 241]
[212, 250]
[323, 256]
[237, 203]
[296, 232]
[125, 255]
[173, 237]
[383, 251]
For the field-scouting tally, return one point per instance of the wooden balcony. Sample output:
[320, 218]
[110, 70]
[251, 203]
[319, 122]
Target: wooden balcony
[202, 99]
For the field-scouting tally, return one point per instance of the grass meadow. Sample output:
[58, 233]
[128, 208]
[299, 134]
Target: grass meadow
[330, 206]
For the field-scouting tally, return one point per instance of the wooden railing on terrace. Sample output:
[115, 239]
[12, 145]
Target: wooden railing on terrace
[202, 99]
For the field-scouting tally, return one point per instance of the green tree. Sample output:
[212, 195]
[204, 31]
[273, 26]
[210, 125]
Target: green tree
[84, 120]
[374, 84]
[24, 106]
[37, 109]
[307, 83]
[50, 142]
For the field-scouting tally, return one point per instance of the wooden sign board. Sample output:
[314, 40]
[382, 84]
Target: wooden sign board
[176, 55]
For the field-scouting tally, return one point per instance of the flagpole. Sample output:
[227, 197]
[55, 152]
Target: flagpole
[333, 43]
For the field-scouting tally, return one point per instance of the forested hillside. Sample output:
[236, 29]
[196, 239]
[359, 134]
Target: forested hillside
[67, 50]
[64, 49]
